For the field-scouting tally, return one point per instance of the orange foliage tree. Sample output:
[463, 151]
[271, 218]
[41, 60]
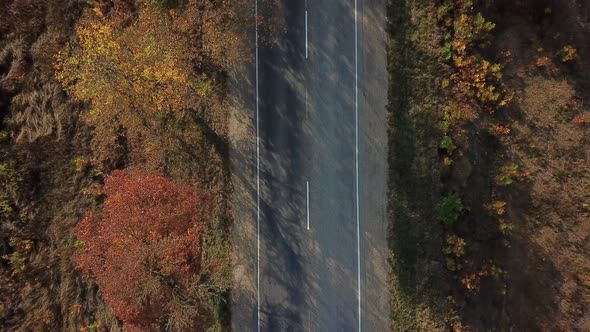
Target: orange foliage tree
[144, 250]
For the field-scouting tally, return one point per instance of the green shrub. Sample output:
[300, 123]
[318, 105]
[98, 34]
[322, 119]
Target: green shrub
[506, 174]
[444, 10]
[446, 52]
[9, 184]
[93, 327]
[447, 161]
[447, 143]
[450, 209]
[481, 27]
[16, 261]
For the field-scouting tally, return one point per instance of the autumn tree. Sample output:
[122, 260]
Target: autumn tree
[147, 75]
[145, 250]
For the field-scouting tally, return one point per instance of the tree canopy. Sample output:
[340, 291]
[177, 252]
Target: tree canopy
[144, 73]
[144, 249]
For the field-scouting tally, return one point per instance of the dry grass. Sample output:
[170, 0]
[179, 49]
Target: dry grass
[548, 289]
[42, 112]
[43, 137]
[13, 65]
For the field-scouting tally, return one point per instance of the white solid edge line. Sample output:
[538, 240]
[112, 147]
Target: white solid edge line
[307, 205]
[358, 234]
[306, 34]
[257, 177]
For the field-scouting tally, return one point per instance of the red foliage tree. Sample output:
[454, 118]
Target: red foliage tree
[144, 249]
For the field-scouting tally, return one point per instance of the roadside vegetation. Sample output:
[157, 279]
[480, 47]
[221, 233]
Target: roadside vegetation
[482, 127]
[419, 282]
[113, 163]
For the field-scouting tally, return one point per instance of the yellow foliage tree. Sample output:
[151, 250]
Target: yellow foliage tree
[138, 74]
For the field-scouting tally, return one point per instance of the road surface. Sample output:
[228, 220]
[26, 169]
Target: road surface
[309, 168]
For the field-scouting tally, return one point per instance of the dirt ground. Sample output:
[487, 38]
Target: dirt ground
[549, 260]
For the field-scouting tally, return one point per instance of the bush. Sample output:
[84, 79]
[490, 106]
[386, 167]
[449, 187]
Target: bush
[446, 52]
[507, 174]
[10, 180]
[455, 246]
[447, 144]
[450, 209]
[567, 53]
[17, 262]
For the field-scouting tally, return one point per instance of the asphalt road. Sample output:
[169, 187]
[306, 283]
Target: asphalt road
[310, 236]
